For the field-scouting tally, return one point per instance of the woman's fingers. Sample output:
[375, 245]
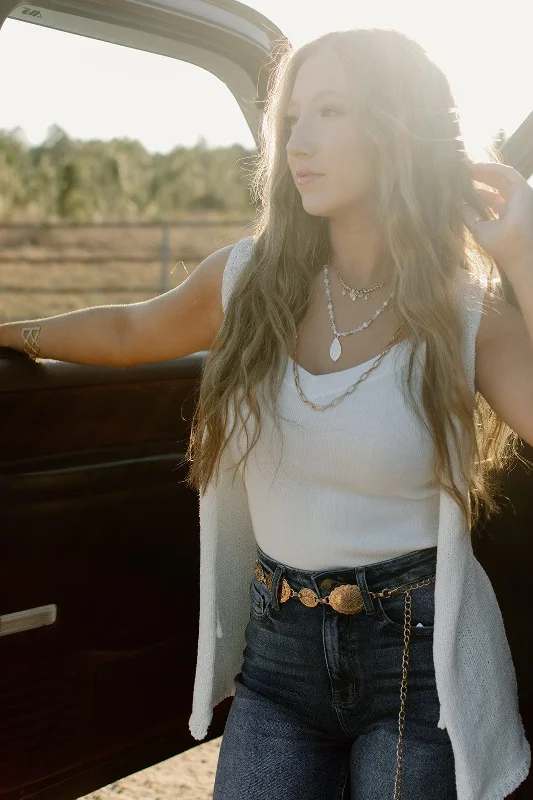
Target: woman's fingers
[501, 176]
[492, 199]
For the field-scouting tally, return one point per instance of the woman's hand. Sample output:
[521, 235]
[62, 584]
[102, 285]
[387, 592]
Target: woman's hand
[508, 239]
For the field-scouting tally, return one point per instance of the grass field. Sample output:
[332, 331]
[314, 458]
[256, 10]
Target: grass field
[34, 290]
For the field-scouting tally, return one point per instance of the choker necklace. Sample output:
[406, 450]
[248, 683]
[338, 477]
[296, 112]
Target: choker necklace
[355, 294]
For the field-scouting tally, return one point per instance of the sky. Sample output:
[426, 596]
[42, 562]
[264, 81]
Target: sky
[109, 91]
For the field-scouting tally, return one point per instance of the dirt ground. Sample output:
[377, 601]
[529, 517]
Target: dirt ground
[188, 776]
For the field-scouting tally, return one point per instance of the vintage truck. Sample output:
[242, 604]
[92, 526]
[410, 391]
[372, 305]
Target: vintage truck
[99, 545]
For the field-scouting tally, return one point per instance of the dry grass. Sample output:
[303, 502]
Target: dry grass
[188, 776]
[134, 282]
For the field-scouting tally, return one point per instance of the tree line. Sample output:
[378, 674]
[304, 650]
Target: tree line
[94, 181]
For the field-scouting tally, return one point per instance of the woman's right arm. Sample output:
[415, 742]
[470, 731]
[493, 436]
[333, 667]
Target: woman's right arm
[179, 322]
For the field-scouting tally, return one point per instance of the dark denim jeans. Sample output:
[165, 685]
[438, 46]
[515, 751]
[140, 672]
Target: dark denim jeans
[315, 714]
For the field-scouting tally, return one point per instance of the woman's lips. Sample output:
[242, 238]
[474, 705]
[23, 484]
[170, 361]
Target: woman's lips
[307, 178]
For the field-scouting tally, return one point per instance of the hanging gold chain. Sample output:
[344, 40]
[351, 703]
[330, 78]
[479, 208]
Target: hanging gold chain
[403, 695]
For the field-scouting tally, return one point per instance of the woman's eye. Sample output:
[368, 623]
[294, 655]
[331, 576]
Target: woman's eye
[329, 108]
[291, 121]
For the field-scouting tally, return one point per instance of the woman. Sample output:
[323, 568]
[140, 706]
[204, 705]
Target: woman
[341, 602]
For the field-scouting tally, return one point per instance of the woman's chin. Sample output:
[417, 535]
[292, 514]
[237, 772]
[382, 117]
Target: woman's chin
[316, 208]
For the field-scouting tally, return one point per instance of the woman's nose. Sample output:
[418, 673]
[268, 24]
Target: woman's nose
[298, 144]
[297, 152]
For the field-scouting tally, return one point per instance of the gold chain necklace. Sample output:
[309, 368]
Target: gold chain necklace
[351, 388]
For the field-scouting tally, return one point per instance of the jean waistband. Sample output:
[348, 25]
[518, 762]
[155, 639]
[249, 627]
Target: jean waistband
[404, 569]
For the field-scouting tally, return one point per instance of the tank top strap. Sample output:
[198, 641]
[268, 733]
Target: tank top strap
[237, 260]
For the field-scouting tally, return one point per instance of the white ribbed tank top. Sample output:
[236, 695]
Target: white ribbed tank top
[353, 484]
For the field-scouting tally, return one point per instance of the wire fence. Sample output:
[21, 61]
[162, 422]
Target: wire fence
[165, 256]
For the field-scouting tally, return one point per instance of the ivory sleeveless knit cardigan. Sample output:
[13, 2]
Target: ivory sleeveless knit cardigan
[475, 676]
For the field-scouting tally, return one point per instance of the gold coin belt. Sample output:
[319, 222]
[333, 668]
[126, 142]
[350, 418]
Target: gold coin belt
[346, 599]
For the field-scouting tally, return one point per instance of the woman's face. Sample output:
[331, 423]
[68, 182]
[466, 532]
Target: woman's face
[326, 137]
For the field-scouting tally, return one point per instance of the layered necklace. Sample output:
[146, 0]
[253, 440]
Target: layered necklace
[335, 349]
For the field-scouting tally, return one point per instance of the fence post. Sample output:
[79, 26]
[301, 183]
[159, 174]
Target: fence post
[165, 257]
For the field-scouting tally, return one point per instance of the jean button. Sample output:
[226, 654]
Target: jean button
[326, 583]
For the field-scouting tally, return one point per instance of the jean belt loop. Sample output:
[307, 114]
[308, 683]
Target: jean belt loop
[274, 591]
[360, 577]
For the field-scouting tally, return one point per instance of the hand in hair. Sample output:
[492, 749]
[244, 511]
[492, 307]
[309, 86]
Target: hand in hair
[509, 238]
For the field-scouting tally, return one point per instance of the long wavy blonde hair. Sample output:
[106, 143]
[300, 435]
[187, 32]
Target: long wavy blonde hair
[423, 174]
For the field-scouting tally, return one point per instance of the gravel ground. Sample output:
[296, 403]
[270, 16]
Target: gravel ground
[188, 776]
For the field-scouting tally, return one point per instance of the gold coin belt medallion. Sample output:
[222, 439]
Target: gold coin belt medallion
[285, 591]
[308, 598]
[347, 599]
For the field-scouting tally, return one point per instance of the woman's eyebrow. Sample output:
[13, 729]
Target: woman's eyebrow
[321, 94]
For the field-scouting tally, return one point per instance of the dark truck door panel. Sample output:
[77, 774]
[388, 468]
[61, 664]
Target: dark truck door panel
[99, 529]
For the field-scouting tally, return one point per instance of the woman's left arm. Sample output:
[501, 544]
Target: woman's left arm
[504, 344]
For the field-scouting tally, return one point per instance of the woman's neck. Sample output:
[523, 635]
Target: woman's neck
[356, 249]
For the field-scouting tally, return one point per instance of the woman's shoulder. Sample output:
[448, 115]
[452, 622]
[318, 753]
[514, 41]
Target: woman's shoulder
[237, 260]
[471, 290]
[470, 279]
